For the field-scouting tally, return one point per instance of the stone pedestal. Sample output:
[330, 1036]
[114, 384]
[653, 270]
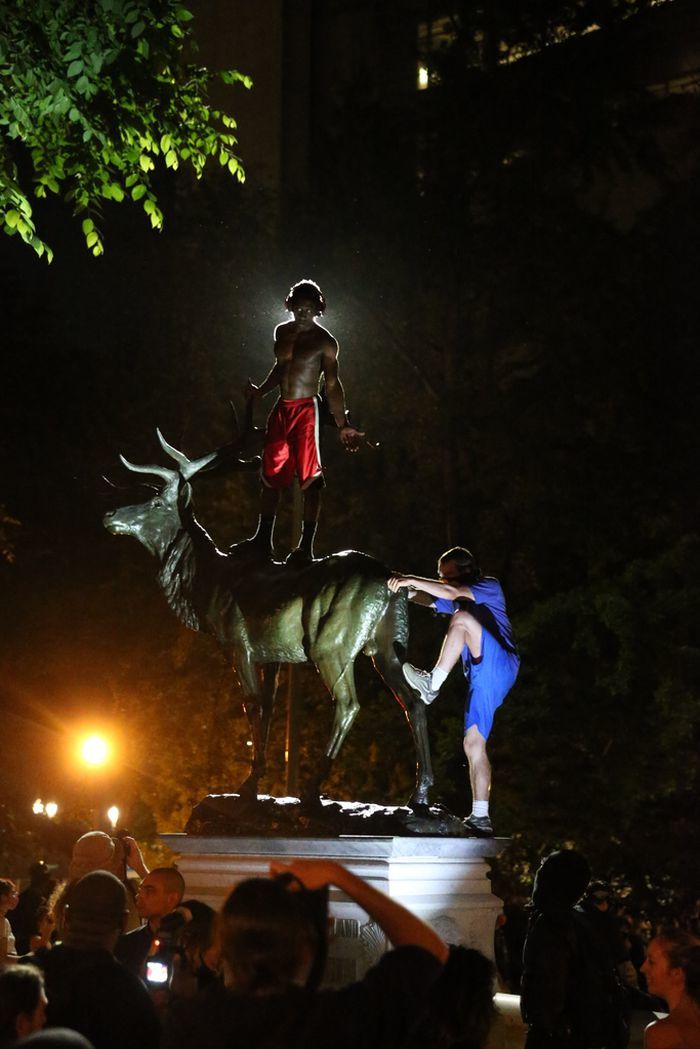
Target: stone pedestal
[444, 880]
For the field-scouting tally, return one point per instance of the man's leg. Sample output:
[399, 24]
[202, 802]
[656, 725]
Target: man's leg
[464, 631]
[479, 765]
[269, 500]
[312, 511]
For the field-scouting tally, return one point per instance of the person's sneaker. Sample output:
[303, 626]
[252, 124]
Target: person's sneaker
[480, 825]
[421, 681]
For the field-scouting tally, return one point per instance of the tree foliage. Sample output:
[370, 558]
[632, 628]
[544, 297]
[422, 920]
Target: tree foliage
[94, 97]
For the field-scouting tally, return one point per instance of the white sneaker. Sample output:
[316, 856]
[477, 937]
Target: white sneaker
[421, 681]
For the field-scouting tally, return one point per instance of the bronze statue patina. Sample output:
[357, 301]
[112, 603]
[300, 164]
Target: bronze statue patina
[263, 613]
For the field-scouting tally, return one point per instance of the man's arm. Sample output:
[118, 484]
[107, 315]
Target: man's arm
[336, 395]
[434, 587]
[274, 378]
[401, 927]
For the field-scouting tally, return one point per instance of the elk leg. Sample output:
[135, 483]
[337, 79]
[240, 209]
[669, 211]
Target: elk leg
[388, 666]
[258, 702]
[339, 678]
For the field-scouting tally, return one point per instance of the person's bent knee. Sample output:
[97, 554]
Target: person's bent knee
[474, 743]
[462, 619]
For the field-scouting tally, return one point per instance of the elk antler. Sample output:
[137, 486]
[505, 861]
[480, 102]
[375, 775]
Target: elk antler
[157, 471]
[188, 467]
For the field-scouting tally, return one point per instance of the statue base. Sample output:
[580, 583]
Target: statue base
[265, 816]
[443, 879]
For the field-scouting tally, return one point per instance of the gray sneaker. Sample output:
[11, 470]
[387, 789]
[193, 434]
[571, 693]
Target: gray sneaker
[421, 681]
[479, 825]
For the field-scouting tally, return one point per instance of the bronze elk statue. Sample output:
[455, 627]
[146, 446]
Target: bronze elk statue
[263, 613]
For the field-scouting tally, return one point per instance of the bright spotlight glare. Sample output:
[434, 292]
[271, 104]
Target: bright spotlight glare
[51, 808]
[113, 815]
[94, 750]
[38, 807]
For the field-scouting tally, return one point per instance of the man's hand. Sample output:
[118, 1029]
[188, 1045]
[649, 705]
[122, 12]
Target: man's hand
[250, 390]
[313, 874]
[396, 582]
[351, 438]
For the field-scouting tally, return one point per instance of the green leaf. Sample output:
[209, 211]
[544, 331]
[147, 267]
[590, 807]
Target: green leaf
[91, 238]
[88, 226]
[74, 114]
[75, 67]
[138, 191]
[12, 218]
[233, 165]
[138, 29]
[183, 15]
[82, 85]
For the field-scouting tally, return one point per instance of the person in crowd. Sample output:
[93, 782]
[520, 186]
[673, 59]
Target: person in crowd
[200, 947]
[672, 970]
[88, 990]
[54, 1038]
[24, 919]
[460, 1009]
[160, 892]
[599, 907]
[45, 923]
[273, 940]
[98, 851]
[22, 1003]
[570, 997]
[8, 901]
[304, 351]
[480, 634]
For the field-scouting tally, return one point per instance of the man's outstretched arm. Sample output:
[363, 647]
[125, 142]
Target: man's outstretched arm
[400, 926]
[434, 587]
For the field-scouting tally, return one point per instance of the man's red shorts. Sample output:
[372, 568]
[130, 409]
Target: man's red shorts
[292, 444]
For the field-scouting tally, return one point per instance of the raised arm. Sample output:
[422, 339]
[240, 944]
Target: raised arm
[336, 396]
[401, 927]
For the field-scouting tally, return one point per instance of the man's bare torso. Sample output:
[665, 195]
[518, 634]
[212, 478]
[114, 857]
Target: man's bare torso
[301, 355]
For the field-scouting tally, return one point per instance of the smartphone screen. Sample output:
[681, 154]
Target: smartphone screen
[156, 972]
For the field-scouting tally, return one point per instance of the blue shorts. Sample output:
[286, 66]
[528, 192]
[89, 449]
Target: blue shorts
[489, 682]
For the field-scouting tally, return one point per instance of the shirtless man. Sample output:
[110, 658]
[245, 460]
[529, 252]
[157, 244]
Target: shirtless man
[481, 635]
[304, 351]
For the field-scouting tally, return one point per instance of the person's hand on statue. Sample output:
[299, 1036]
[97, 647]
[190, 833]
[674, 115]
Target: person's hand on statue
[396, 582]
[351, 438]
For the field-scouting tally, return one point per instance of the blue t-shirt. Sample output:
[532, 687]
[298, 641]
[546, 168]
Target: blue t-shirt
[488, 606]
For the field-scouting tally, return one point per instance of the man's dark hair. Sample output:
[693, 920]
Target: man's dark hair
[7, 886]
[305, 289]
[469, 571]
[560, 880]
[264, 936]
[20, 991]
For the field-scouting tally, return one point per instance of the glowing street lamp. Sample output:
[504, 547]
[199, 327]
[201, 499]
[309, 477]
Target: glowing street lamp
[50, 809]
[38, 807]
[113, 816]
[94, 750]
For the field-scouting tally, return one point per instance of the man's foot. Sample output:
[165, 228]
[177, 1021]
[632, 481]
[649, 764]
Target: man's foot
[298, 558]
[420, 680]
[480, 825]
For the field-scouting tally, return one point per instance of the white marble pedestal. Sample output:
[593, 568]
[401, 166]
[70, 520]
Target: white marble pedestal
[444, 880]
